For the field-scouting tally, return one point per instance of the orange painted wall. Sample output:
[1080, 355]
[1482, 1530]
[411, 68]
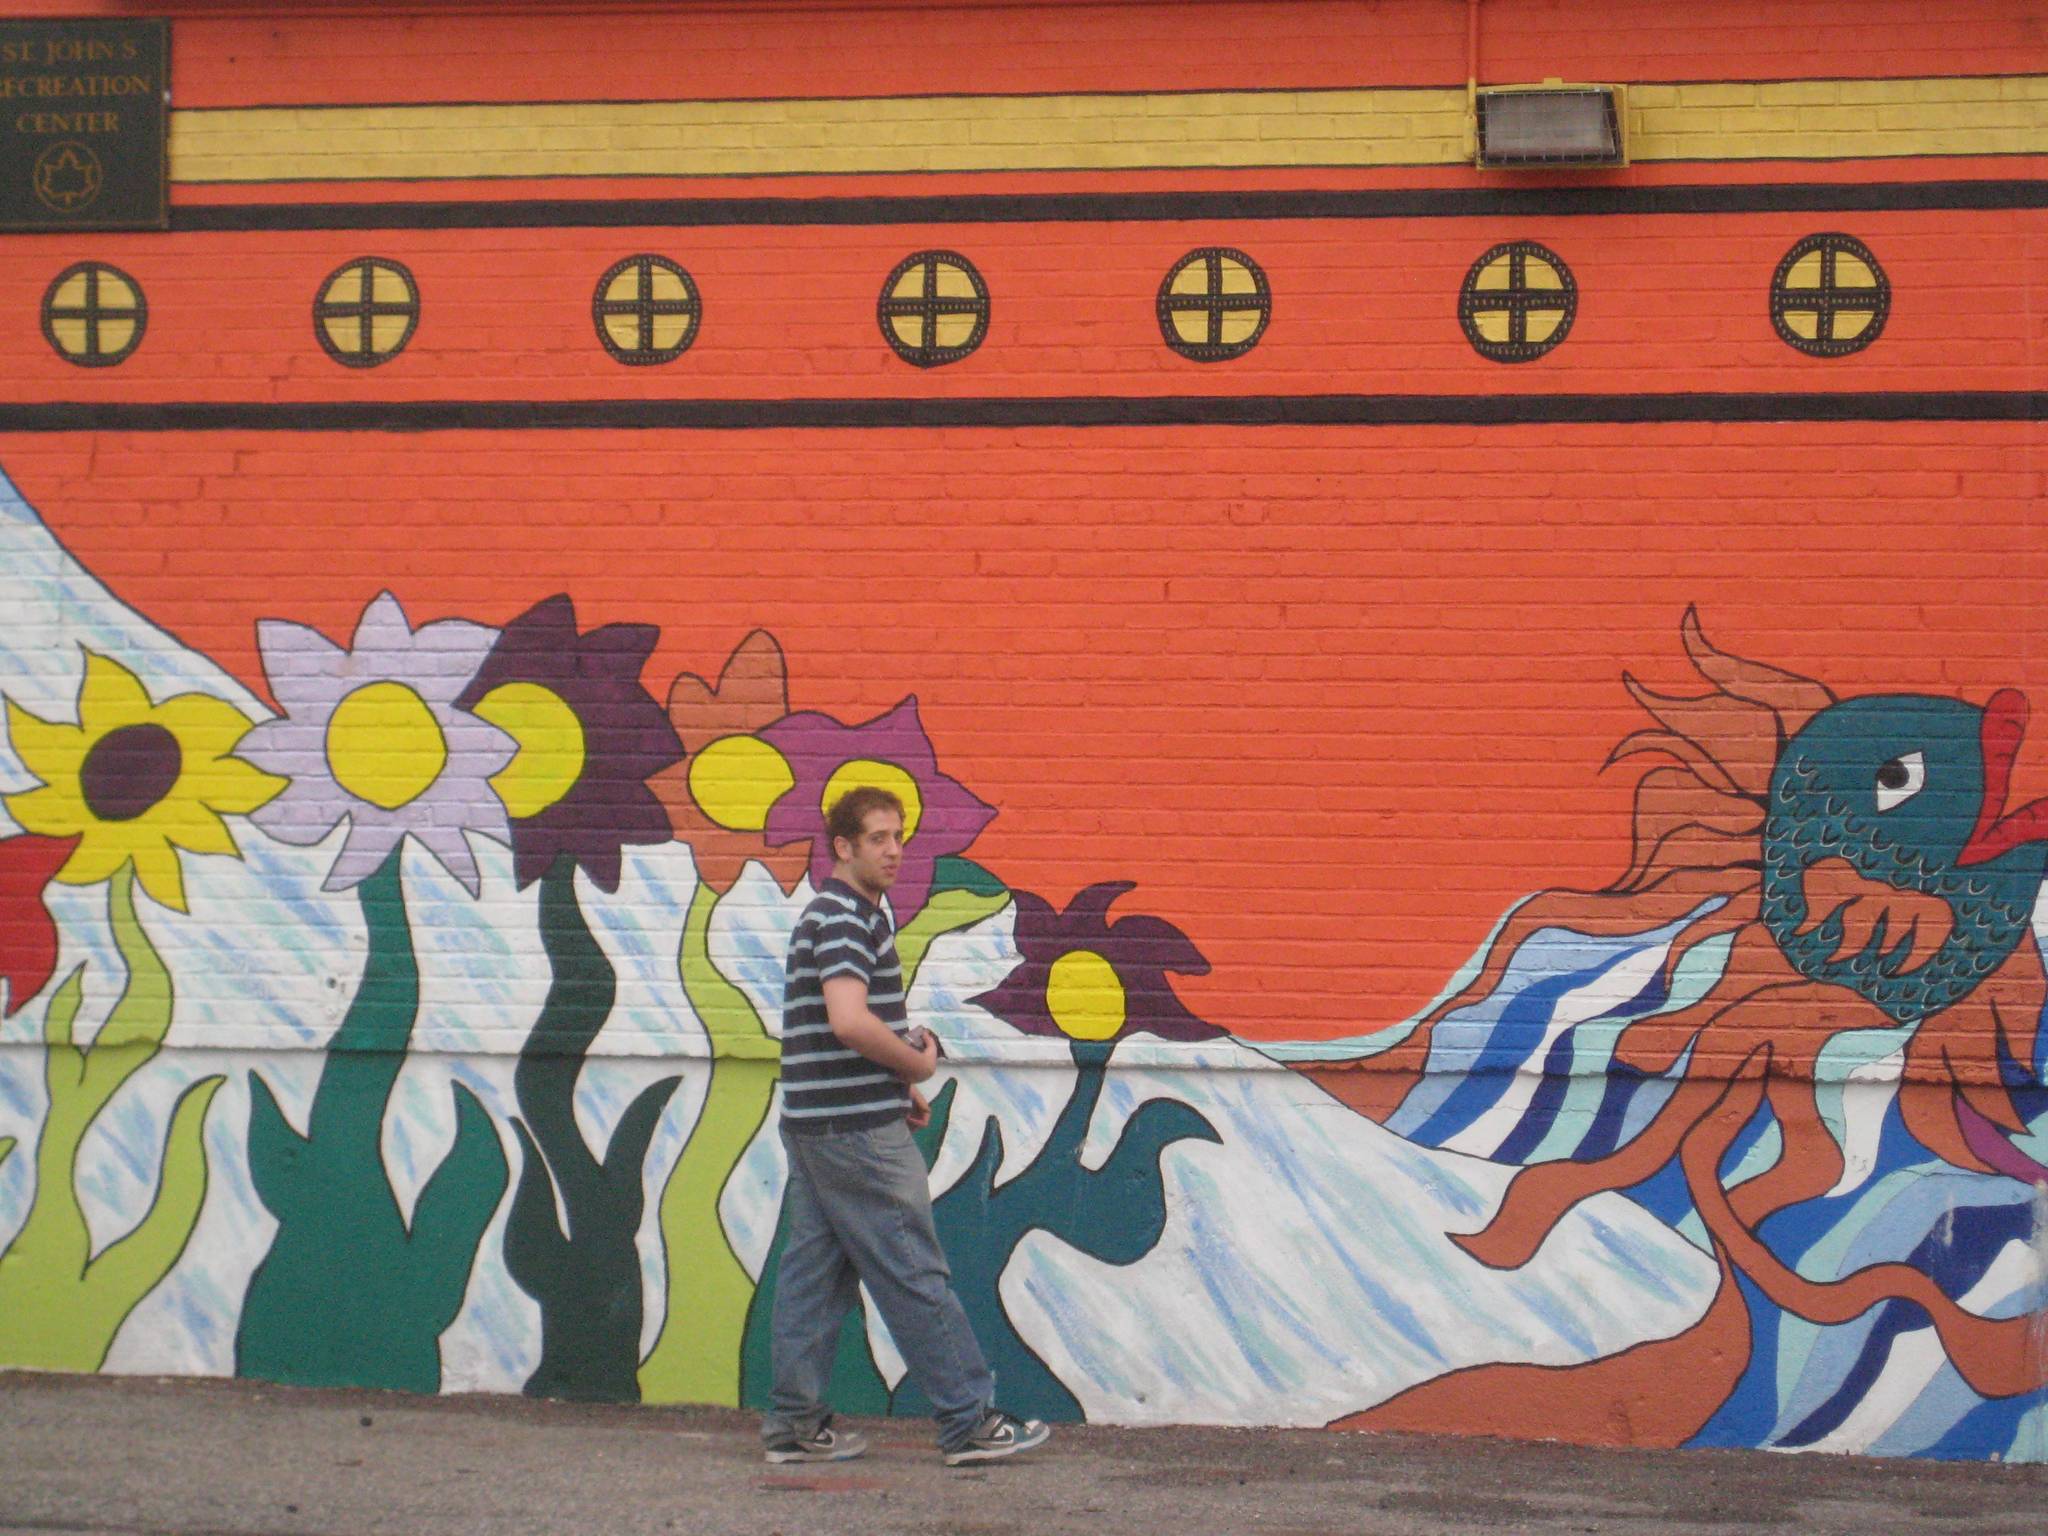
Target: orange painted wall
[1335, 697]
[326, 51]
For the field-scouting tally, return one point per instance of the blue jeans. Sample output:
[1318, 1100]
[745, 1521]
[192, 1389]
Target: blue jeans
[858, 1207]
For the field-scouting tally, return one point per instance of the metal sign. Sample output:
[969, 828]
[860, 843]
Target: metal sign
[83, 104]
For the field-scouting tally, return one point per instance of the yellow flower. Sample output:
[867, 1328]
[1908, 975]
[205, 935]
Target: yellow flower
[135, 780]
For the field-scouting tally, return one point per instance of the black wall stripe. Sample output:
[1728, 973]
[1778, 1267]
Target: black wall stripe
[1042, 411]
[1115, 207]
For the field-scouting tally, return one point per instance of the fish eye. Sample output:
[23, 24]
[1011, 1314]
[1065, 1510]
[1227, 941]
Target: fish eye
[1900, 780]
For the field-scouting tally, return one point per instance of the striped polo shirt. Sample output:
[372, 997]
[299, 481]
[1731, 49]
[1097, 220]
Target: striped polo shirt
[841, 933]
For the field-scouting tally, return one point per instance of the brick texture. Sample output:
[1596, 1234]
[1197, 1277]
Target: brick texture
[1322, 647]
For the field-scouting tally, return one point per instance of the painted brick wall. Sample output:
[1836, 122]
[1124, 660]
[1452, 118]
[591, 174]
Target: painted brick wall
[1347, 661]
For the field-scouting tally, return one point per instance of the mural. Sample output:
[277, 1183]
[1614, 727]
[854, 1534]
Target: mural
[473, 1082]
[1817, 979]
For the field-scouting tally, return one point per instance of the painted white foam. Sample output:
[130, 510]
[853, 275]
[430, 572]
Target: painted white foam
[1866, 1100]
[1306, 1272]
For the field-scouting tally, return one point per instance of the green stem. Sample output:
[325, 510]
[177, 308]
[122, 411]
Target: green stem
[579, 1000]
[327, 1306]
[60, 1306]
[697, 1357]
[584, 1273]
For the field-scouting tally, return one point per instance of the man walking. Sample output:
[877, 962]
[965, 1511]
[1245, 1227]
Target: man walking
[857, 1206]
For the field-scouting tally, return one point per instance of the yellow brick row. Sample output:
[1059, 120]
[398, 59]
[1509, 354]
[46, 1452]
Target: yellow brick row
[1709, 120]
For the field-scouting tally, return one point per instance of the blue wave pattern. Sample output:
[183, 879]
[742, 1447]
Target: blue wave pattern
[1527, 1075]
[1880, 1384]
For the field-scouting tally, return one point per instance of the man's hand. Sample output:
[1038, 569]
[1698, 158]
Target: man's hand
[920, 1114]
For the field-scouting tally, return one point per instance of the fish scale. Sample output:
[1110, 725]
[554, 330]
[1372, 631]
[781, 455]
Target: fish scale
[1991, 905]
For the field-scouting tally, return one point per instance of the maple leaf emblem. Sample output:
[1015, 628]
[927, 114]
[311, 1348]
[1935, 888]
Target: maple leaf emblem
[68, 177]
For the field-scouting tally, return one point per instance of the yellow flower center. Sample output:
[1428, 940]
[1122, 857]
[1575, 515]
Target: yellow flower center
[736, 779]
[866, 773]
[1084, 996]
[384, 745]
[551, 748]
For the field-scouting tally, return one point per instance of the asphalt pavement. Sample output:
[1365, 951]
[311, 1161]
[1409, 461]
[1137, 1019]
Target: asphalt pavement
[133, 1456]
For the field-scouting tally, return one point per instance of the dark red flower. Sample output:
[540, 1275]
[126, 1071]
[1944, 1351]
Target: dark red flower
[1090, 979]
[589, 738]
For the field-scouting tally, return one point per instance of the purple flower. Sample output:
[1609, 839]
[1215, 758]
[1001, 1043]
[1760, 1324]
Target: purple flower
[1089, 979]
[373, 733]
[889, 752]
[588, 735]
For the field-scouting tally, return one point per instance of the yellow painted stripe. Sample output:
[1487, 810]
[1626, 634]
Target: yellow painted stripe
[1809, 119]
[843, 136]
[1839, 119]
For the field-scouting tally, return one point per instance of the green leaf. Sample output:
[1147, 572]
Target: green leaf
[944, 913]
[454, 1209]
[1119, 1210]
[274, 1149]
[933, 1136]
[132, 1267]
[625, 1157]
[534, 1245]
[950, 872]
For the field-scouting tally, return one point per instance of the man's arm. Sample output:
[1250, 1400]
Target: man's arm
[857, 1028]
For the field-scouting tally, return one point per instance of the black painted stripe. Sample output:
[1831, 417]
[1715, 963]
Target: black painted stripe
[1028, 411]
[1116, 207]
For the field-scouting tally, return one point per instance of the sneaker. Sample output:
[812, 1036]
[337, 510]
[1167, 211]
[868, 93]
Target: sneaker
[1000, 1434]
[827, 1444]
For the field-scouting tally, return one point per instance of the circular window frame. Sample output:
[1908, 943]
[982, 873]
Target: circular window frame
[92, 271]
[931, 306]
[1215, 302]
[1471, 303]
[365, 309]
[602, 308]
[1829, 244]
